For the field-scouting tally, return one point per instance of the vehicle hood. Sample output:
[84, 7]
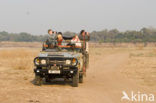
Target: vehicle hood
[59, 54]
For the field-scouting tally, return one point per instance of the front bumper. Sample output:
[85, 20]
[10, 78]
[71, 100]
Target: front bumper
[62, 71]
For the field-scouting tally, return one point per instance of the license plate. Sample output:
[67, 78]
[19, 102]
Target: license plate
[54, 72]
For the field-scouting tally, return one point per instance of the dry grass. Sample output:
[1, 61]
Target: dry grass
[141, 66]
[18, 58]
[20, 44]
[22, 58]
[16, 75]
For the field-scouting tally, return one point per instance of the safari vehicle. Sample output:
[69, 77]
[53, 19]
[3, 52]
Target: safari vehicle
[60, 61]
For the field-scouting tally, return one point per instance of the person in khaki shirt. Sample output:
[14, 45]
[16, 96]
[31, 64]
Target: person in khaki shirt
[85, 37]
[52, 37]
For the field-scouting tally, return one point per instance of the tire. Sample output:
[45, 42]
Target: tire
[38, 80]
[81, 78]
[47, 80]
[76, 80]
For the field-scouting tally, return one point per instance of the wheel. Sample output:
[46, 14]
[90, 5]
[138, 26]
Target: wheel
[81, 78]
[38, 80]
[47, 80]
[76, 79]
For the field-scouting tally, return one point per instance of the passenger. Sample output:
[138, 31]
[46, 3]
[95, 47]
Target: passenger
[84, 36]
[51, 38]
[59, 38]
[76, 40]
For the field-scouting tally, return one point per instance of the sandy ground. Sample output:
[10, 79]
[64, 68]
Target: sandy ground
[107, 77]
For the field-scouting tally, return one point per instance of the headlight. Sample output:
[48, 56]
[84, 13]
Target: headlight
[36, 61]
[43, 61]
[74, 62]
[68, 62]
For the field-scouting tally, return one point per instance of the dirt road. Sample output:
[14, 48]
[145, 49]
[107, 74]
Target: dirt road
[104, 84]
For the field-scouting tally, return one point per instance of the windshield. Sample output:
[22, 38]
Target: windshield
[62, 50]
[65, 46]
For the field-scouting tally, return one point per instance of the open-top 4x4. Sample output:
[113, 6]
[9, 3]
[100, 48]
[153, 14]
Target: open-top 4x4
[63, 61]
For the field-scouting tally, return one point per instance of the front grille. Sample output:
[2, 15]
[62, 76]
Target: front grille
[57, 61]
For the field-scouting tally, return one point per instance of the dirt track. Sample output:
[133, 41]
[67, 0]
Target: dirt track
[104, 84]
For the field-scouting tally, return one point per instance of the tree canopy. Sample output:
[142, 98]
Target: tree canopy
[112, 36]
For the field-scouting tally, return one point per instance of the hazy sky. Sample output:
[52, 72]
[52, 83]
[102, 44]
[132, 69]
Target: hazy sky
[37, 16]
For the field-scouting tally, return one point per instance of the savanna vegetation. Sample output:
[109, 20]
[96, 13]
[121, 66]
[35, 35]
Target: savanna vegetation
[105, 36]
